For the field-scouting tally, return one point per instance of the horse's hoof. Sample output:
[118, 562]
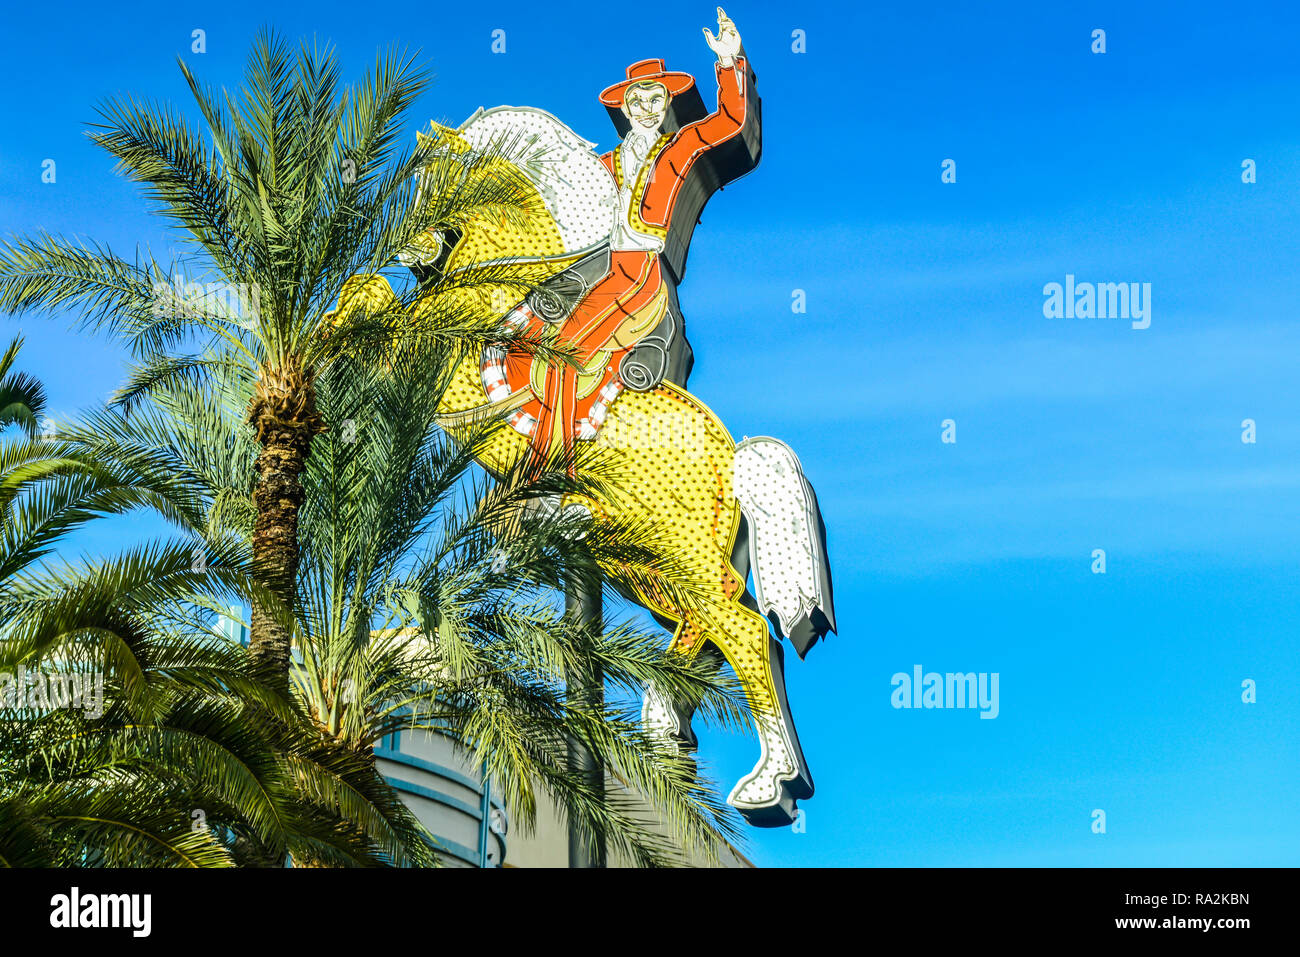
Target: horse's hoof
[769, 802]
[767, 795]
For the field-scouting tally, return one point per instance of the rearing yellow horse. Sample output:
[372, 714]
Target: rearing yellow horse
[722, 509]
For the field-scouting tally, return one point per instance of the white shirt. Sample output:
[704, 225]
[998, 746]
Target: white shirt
[632, 156]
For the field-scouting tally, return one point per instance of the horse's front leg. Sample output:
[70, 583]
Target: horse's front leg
[669, 715]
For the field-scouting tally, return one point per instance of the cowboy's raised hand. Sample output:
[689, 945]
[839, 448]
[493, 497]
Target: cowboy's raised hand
[727, 43]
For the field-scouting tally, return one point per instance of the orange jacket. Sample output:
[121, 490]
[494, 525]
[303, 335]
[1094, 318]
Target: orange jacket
[674, 182]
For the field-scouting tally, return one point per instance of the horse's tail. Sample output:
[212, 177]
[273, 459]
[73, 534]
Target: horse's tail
[786, 541]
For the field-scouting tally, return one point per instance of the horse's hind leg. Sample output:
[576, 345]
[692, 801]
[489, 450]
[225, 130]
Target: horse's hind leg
[739, 636]
[767, 795]
[781, 777]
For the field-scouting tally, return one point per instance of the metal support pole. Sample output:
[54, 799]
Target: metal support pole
[582, 602]
[485, 822]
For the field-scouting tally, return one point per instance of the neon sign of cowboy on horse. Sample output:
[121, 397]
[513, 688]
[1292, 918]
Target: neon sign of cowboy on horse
[604, 247]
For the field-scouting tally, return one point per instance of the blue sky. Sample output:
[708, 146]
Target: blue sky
[924, 302]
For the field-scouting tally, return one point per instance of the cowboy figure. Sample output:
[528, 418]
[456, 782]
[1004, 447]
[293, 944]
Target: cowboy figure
[626, 329]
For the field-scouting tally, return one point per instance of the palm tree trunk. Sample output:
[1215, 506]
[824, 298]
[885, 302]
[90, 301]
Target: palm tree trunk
[283, 412]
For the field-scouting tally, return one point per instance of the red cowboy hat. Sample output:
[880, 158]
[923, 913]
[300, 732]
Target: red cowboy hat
[645, 71]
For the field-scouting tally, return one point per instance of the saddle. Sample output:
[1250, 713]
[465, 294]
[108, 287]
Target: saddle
[661, 354]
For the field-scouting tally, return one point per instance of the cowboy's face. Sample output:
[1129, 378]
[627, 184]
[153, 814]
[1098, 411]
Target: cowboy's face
[646, 105]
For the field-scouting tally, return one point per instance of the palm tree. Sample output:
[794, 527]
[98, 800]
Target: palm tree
[284, 192]
[174, 753]
[425, 597]
[175, 763]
